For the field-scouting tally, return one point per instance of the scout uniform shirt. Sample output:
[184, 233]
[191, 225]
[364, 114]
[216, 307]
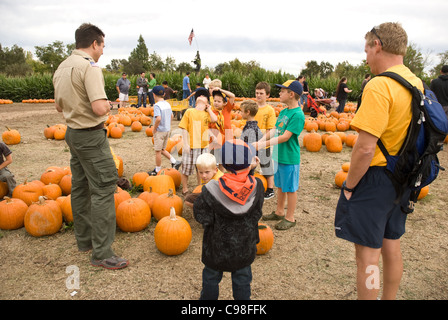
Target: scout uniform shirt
[78, 81]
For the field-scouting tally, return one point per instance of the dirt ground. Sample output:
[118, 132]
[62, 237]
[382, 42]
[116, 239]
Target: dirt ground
[306, 262]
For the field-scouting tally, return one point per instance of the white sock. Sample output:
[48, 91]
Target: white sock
[173, 160]
[158, 169]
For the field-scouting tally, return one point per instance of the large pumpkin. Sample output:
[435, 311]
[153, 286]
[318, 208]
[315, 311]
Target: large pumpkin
[172, 234]
[133, 215]
[160, 184]
[12, 213]
[266, 238]
[52, 175]
[43, 218]
[163, 203]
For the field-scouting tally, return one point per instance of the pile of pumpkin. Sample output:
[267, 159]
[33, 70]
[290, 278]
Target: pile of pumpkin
[38, 101]
[5, 101]
[42, 205]
[128, 117]
[56, 132]
[333, 137]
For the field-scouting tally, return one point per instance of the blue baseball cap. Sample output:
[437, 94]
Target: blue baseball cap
[292, 85]
[158, 90]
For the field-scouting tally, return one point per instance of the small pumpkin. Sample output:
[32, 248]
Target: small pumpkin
[43, 218]
[266, 238]
[66, 184]
[12, 213]
[263, 179]
[423, 192]
[136, 126]
[11, 136]
[52, 175]
[172, 234]
[139, 178]
[133, 215]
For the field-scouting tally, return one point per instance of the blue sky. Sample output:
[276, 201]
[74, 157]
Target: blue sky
[278, 35]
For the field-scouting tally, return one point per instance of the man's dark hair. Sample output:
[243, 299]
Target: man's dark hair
[86, 34]
[445, 69]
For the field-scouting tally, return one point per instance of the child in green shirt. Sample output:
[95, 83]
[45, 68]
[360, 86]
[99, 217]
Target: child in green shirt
[286, 155]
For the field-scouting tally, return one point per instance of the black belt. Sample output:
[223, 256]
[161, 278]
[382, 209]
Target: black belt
[97, 127]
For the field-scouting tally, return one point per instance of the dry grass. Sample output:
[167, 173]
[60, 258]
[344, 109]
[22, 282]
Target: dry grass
[306, 263]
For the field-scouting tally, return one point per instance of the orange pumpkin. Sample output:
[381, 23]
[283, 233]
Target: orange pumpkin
[263, 180]
[173, 173]
[149, 197]
[313, 142]
[350, 139]
[333, 143]
[423, 193]
[160, 184]
[136, 126]
[66, 208]
[120, 195]
[52, 175]
[3, 189]
[43, 218]
[266, 238]
[66, 184]
[133, 215]
[29, 192]
[172, 234]
[162, 204]
[340, 178]
[11, 136]
[139, 178]
[49, 132]
[52, 191]
[12, 213]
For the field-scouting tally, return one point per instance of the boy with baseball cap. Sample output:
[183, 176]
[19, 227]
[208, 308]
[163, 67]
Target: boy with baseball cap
[286, 155]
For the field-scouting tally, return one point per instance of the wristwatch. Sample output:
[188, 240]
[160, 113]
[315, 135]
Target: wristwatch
[344, 187]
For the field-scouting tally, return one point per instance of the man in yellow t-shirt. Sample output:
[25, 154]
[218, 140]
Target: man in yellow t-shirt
[266, 121]
[367, 213]
[194, 125]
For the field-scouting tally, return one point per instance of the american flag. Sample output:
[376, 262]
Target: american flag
[190, 37]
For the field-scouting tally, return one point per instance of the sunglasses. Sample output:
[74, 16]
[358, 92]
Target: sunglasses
[376, 34]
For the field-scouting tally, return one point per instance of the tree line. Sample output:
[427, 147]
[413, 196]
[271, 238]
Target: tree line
[236, 75]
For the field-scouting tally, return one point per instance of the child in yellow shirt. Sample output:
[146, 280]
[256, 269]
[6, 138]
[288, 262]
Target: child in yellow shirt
[266, 121]
[194, 125]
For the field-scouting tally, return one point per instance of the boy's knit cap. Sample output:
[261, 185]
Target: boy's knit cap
[236, 155]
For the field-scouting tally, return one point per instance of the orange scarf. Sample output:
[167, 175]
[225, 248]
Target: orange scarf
[238, 187]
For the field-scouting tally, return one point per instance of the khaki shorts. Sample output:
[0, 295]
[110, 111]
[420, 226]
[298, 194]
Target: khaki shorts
[161, 140]
[123, 97]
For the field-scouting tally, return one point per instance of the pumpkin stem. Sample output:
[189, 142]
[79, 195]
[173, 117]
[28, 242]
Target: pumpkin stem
[173, 214]
[170, 193]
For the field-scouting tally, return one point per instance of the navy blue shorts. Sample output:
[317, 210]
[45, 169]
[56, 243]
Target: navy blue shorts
[371, 214]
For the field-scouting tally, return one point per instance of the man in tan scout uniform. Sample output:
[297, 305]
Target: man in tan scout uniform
[80, 96]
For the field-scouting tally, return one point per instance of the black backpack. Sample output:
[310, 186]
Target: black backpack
[416, 165]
